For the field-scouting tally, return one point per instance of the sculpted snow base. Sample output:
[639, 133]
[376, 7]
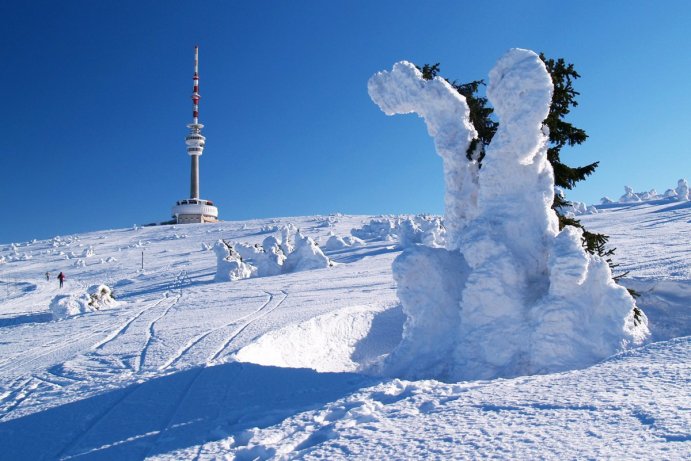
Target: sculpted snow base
[510, 294]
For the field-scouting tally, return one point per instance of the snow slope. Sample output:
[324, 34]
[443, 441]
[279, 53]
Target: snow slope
[272, 367]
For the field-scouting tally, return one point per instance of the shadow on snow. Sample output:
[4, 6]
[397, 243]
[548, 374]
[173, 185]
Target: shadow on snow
[173, 412]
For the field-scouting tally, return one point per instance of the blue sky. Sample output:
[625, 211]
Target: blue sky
[97, 96]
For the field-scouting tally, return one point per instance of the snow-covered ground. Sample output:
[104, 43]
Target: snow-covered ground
[271, 367]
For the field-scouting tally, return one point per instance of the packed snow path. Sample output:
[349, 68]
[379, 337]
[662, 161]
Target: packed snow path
[156, 376]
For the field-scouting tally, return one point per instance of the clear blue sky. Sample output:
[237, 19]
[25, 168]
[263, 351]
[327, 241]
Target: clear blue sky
[97, 96]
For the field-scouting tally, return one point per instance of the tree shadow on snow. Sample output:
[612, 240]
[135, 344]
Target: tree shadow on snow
[173, 412]
[677, 206]
[351, 255]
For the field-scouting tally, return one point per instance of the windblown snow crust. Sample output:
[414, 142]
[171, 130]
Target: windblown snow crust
[510, 294]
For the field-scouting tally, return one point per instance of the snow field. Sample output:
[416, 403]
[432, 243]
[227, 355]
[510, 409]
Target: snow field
[156, 376]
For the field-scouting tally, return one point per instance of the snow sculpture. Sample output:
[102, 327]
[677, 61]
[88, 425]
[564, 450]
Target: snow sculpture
[510, 294]
[682, 190]
[306, 256]
[229, 265]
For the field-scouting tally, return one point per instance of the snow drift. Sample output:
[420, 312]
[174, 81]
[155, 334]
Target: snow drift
[510, 294]
[348, 339]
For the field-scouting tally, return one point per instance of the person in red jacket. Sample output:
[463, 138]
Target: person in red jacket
[61, 277]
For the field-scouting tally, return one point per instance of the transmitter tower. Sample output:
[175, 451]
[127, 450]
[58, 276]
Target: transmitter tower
[194, 209]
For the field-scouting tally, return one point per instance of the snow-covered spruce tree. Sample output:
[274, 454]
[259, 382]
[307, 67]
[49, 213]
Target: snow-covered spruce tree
[561, 133]
[510, 293]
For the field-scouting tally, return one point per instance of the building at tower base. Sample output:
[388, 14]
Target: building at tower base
[191, 211]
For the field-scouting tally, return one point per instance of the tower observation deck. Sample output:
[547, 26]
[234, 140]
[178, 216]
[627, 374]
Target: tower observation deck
[195, 209]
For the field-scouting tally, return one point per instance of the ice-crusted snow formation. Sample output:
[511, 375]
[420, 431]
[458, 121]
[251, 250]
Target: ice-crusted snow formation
[446, 113]
[510, 294]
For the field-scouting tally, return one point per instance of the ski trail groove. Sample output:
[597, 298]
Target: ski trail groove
[194, 341]
[150, 333]
[20, 361]
[259, 314]
[125, 326]
[60, 343]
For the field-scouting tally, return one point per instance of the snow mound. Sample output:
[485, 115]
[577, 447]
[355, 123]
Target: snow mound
[510, 294]
[97, 297]
[344, 340]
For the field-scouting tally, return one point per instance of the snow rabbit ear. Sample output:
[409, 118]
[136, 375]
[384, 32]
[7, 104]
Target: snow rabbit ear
[520, 89]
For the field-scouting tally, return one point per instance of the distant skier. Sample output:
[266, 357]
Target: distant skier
[61, 277]
[47, 276]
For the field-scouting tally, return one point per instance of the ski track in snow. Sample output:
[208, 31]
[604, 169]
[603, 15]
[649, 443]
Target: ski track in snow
[265, 310]
[156, 378]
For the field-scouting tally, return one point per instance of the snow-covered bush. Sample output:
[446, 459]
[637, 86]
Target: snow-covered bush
[407, 231]
[269, 258]
[577, 209]
[629, 196]
[287, 234]
[229, 265]
[306, 256]
[682, 190]
[681, 193]
[335, 242]
[510, 294]
[97, 297]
